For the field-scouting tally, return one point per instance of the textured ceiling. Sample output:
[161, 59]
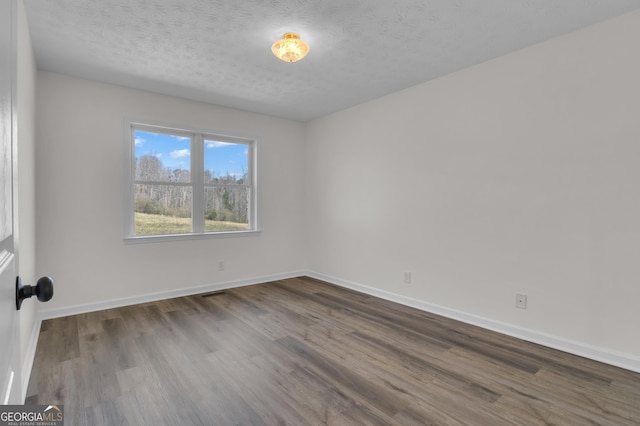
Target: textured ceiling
[218, 51]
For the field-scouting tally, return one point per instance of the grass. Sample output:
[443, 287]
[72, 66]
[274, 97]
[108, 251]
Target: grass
[156, 224]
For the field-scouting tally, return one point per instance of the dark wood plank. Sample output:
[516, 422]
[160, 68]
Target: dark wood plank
[301, 351]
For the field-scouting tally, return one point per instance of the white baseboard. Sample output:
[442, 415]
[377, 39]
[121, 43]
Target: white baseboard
[618, 359]
[161, 295]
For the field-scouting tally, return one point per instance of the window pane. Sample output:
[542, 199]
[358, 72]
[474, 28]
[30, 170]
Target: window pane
[162, 158]
[162, 209]
[225, 162]
[226, 208]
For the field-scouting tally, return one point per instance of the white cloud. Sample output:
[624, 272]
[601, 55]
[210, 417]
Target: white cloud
[216, 144]
[180, 153]
[158, 155]
[139, 141]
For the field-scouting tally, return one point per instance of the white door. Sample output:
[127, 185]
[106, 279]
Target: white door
[10, 392]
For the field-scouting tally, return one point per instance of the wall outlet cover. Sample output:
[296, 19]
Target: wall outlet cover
[521, 301]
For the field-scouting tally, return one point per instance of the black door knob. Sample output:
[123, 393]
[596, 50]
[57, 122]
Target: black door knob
[43, 290]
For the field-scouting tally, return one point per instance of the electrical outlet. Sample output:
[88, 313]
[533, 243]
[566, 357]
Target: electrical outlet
[521, 301]
[220, 265]
[407, 277]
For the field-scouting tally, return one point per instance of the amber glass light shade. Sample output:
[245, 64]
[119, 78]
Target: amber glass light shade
[290, 48]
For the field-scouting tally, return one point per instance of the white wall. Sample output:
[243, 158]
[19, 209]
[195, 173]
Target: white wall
[517, 175]
[26, 185]
[80, 187]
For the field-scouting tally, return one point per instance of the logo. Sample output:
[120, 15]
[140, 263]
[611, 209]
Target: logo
[31, 415]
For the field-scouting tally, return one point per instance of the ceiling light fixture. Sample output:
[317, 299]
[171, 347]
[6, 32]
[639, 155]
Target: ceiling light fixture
[290, 48]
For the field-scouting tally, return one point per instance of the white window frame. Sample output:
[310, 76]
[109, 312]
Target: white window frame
[198, 136]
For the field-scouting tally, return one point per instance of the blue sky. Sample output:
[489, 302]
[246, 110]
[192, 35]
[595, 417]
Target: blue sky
[175, 152]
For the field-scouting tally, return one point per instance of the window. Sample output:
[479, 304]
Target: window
[189, 183]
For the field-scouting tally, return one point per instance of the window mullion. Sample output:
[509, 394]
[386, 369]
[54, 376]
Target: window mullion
[197, 165]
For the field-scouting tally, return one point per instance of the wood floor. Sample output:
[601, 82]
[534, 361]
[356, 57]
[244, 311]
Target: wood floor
[300, 352]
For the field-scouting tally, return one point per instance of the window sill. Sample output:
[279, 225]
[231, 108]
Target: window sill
[142, 239]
